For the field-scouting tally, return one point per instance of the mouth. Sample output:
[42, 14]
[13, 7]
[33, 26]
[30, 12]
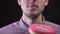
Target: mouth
[32, 6]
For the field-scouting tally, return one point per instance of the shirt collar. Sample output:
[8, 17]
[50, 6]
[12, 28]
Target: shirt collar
[23, 25]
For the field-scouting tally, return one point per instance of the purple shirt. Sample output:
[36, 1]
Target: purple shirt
[20, 28]
[55, 26]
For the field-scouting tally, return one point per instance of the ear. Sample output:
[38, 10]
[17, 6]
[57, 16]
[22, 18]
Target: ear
[46, 3]
[19, 2]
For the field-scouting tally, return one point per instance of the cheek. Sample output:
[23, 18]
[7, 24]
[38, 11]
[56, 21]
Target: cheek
[23, 2]
[41, 2]
[23, 5]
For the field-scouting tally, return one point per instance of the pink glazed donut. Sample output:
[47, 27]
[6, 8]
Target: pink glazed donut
[41, 29]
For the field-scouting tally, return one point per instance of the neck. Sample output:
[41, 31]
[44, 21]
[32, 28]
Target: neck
[29, 21]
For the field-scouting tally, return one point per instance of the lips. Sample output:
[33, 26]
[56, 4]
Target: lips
[32, 5]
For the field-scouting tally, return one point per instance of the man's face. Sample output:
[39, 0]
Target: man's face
[32, 8]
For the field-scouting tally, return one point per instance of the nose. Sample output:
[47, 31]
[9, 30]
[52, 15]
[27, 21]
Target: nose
[31, 0]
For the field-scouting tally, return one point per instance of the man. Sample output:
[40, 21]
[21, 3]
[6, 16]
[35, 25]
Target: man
[32, 13]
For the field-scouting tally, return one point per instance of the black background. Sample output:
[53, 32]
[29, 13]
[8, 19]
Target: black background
[10, 12]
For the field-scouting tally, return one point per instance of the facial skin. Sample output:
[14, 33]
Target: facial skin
[32, 8]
